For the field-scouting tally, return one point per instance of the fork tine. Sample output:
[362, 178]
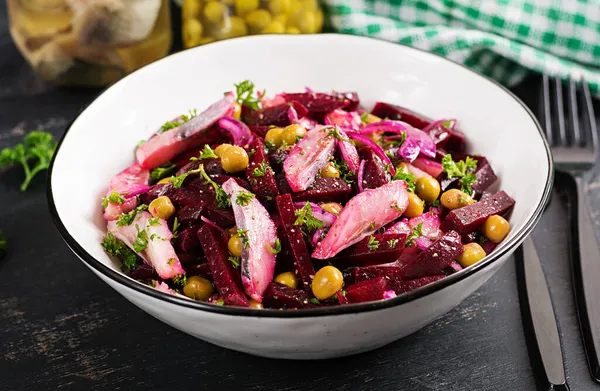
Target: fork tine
[547, 113]
[560, 110]
[574, 112]
[590, 113]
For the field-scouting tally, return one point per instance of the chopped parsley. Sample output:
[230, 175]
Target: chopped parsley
[392, 243]
[177, 181]
[313, 300]
[436, 203]
[416, 232]
[235, 261]
[345, 173]
[373, 243]
[406, 177]
[175, 229]
[161, 172]
[305, 218]
[182, 119]
[244, 198]
[219, 302]
[171, 261]
[336, 133]
[139, 144]
[244, 92]
[364, 117]
[277, 247]
[243, 234]
[207, 153]
[372, 226]
[127, 218]
[463, 169]
[117, 248]
[261, 170]
[154, 221]
[37, 147]
[397, 207]
[141, 241]
[269, 144]
[223, 200]
[180, 279]
[114, 197]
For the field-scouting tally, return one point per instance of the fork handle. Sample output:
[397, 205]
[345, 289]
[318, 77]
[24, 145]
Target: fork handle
[586, 280]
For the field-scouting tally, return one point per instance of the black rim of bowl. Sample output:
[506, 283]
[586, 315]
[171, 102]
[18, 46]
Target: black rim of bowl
[323, 311]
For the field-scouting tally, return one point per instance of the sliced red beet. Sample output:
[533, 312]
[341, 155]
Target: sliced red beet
[303, 266]
[200, 183]
[394, 274]
[274, 115]
[220, 216]
[144, 272]
[325, 190]
[342, 299]
[449, 140]
[488, 246]
[351, 97]
[411, 285]
[369, 290]
[469, 218]
[381, 249]
[317, 102]
[394, 112]
[190, 214]
[260, 130]
[436, 257]
[375, 174]
[226, 278]
[282, 296]
[260, 174]
[211, 166]
[485, 176]
[202, 270]
[188, 238]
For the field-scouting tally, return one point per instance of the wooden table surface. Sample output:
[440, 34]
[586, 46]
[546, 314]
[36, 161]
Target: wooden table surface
[63, 328]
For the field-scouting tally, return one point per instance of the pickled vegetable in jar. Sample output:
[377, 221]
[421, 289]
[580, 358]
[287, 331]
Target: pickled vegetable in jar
[206, 21]
[90, 43]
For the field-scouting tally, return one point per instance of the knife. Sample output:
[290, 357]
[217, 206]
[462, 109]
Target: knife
[539, 322]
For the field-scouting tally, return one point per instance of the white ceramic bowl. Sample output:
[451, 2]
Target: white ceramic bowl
[100, 142]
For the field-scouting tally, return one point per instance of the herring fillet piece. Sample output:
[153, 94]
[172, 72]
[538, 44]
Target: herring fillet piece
[123, 183]
[163, 147]
[364, 214]
[309, 155]
[160, 253]
[258, 261]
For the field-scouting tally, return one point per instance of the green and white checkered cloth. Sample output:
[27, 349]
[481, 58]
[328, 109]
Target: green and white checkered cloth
[503, 39]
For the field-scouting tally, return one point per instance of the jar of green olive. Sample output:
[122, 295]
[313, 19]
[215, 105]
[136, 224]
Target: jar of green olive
[206, 21]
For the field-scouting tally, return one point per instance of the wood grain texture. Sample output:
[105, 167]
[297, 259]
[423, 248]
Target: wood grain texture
[62, 328]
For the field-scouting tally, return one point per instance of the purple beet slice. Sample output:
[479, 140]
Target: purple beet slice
[282, 296]
[375, 174]
[260, 174]
[377, 249]
[324, 190]
[469, 218]
[411, 285]
[226, 278]
[274, 115]
[351, 97]
[202, 270]
[485, 176]
[277, 157]
[303, 266]
[369, 290]
[260, 130]
[144, 272]
[317, 102]
[449, 140]
[394, 112]
[394, 274]
[188, 238]
[436, 257]
[189, 214]
[211, 166]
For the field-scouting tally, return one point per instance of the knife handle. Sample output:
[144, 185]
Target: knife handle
[586, 281]
[539, 322]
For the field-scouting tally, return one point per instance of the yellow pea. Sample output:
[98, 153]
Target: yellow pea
[191, 9]
[255, 304]
[292, 30]
[258, 20]
[274, 27]
[192, 32]
[278, 7]
[327, 281]
[472, 253]
[232, 27]
[307, 22]
[287, 278]
[242, 7]
[215, 11]
[162, 207]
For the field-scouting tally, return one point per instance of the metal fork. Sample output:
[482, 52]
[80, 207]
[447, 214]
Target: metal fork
[574, 145]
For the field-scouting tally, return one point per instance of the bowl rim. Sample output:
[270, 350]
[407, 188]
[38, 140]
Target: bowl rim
[356, 308]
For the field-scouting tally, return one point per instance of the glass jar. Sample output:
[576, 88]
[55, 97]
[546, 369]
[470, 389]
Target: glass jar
[213, 20]
[89, 42]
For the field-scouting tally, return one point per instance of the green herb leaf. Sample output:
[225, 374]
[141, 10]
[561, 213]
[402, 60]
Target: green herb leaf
[277, 248]
[392, 243]
[180, 279]
[243, 234]
[182, 119]
[462, 169]
[364, 117]
[158, 173]
[416, 232]
[435, 204]
[261, 170]
[373, 243]
[175, 229]
[235, 261]
[139, 144]
[177, 181]
[244, 92]
[113, 197]
[117, 248]
[406, 177]
[127, 218]
[34, 155]
[223, 200]
[141, 241]
[335, 132]
[244, 198]
[207, 153]
[467, 182]
[305, 218]
[171, 261]
[313, 300]
[345, 173]
[219, 302]
[154, 221]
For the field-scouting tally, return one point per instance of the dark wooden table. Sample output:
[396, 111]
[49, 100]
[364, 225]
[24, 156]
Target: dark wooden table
[63, 328]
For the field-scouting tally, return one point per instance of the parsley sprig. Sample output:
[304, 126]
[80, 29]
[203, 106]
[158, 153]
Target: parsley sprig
[416, 232]
[245, 95]
[183, 119]
[114, 197]
[223, 200]
[261, 170]
[463, 169]
[34, 155]
[127, 218]
[305, 218]
[392, 243]
[235, 261]
[207, 153]
[117, 248]
[243, 234]
[277, 248]
[177, 181]
[244, 198]
[158, 173]
[406, 177]
[373, 243]
[141, 240]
